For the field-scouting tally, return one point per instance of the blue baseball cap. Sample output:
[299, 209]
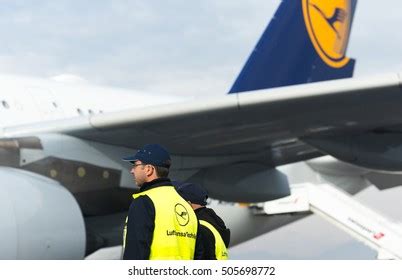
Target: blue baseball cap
[153, 154]
[193, 193]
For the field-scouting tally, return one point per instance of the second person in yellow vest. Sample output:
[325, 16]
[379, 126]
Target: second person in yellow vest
[214, 235]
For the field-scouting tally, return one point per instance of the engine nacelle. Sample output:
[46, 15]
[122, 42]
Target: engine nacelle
[39, 218]
[243, 182]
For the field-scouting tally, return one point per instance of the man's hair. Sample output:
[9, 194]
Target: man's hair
[162, 172]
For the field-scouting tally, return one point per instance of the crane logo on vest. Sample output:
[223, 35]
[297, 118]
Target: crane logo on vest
[182, 215]
[328, 25]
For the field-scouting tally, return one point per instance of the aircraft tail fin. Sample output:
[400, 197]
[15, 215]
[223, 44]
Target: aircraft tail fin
[305, 42]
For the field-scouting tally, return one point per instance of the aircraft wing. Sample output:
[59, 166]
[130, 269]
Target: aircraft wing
[271, 122]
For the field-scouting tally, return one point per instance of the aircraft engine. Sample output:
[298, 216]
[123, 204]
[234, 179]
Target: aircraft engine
[39, 218]
[243, 182]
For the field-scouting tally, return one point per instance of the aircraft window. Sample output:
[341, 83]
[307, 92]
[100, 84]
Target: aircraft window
[5, 104]
[79, 111]
[90, 112]
[54, 104]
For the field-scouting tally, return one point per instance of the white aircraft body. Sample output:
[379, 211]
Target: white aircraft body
[65, 190]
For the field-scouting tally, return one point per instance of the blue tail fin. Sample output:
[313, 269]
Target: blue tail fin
[305, 42]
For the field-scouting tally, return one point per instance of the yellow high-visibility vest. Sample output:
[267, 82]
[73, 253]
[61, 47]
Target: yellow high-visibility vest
[176, 225]
[221, 251]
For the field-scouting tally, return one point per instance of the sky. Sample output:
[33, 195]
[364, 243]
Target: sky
[189, 48]
[178, 47]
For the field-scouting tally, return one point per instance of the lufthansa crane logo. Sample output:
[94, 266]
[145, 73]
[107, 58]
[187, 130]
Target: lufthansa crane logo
[182, 215]
[328, 25]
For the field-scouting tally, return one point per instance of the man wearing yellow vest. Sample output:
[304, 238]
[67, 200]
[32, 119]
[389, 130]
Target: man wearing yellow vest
[160, 224]
[214, 235]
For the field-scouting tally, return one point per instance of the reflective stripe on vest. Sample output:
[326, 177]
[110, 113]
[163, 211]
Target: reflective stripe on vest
[221, 253]
[125, 234]
[176, 225]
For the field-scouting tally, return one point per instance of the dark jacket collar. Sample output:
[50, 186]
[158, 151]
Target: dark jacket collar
[155, 183]
[209, 215]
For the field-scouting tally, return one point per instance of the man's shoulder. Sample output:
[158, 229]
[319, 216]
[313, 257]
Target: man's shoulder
[142, 202]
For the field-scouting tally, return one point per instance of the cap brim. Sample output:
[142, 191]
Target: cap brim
[130, 159]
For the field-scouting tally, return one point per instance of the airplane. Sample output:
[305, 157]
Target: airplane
[66, 191]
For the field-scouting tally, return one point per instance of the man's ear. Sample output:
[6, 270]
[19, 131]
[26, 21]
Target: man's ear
[149, 170]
